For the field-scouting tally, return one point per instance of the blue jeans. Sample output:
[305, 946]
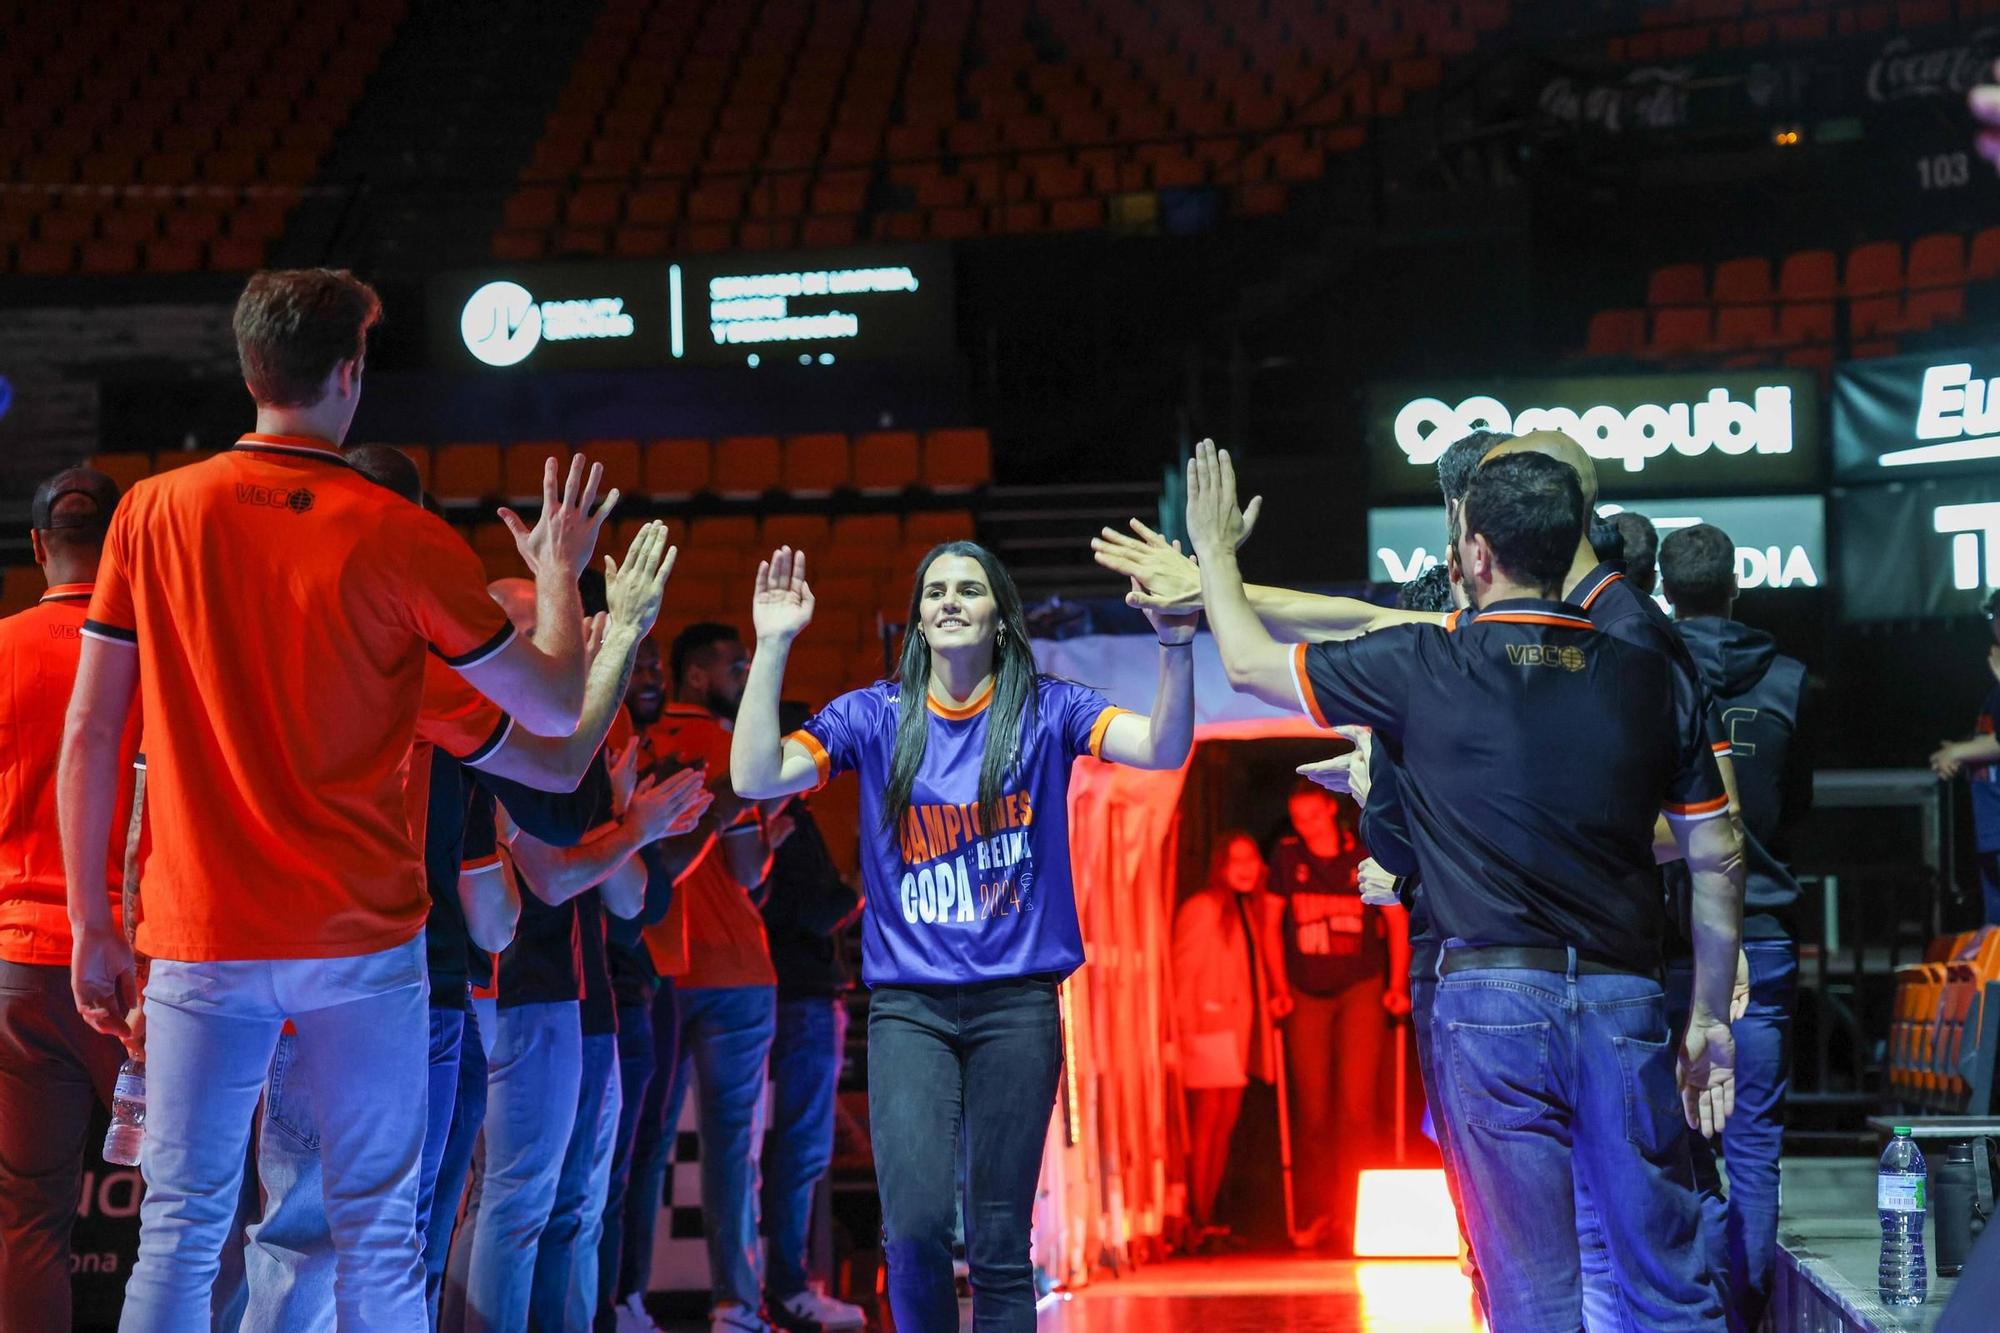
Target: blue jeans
[534, 1067]
[447, 1042]
[212, 1032]
[1989, 885]
[961, 1083]
[288, 1262]
[636, 1062]
[804, 1069]
[468, 1117]
[1423, 994]
[1552, 1080]
[725, 1041]
[1742, 1232]
[564, 1296]
[652, 1149]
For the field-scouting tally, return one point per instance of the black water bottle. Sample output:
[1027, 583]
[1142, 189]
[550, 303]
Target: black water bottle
[1953, 1199]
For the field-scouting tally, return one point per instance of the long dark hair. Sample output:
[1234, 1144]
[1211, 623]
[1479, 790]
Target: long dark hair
[1014, 694]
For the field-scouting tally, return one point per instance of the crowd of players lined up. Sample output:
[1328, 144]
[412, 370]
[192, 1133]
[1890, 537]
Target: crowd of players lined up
[277, 626]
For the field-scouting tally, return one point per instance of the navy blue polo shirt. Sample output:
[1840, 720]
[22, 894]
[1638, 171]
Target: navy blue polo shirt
[1617, 608]
[1538, 752]
[1385, 832]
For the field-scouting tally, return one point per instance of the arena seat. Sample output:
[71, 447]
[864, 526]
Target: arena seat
[523, 465]
[466, 472]
[21, 586]
[885, 462]
[124, 468]
[1873, 269]
[420, 457]
[1808, 275]
[1677, 285]
[806, 532]
[1680, 329]
[1744, 280]
[746, 466]
[929, 527]
[1616, 333]
[677, 469]
[1936, 260]
[816, 464]
[1745, 326]
[957, 459]
[621, 462]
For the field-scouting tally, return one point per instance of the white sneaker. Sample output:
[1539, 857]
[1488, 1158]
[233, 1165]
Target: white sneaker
[737, 1319]
[632, 1316]
[813, 1308]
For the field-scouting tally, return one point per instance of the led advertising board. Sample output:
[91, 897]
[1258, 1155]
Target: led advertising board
[819, 307]
[1922, 548]
[1780, 539]
[1933, 414]
[1650, 435]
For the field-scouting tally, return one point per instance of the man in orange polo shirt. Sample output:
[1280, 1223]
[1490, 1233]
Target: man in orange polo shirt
[272, 609]
[720, 1011]
[51, 1064]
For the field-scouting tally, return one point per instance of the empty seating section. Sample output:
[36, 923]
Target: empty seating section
[712, 124]
[871, 509]
[1944, 1032]
[1738, 312]
[171, 135]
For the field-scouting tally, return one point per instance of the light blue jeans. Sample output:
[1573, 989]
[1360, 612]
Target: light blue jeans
[564, 1298]
[534, 1064]
[211, 1032]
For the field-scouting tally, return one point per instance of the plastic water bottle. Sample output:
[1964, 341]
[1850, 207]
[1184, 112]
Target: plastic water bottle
[1901, 1187]
[128, 1115]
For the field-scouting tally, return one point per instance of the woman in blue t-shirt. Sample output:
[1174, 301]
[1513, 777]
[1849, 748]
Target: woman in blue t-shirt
[964, 761]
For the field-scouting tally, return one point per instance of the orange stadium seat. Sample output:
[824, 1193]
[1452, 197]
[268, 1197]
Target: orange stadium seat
[523, 465]
[1937, 260]
[621, 465]
[1679, 329]
[885, 462]
[124, 468]
[677, 469]
[1745, 326]
[466, 472]
[1616, 333]
[20, 588]
[1743, 280]
[731, 532]
[1677, 284]
[1805, 322]
[928, 527]
[1807, 276]
[817, 464]
[420, 456]
[1983, 260]
[1873, 269]
[807, 532]
[746, 465]
[957, 460]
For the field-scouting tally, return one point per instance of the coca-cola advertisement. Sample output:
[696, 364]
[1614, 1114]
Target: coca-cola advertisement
[1909, 68]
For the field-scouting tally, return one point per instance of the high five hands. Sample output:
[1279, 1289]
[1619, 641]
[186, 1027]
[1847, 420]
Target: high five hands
[1214, 522]
[782, 605]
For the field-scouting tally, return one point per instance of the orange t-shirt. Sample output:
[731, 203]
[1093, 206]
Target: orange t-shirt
[712, 935]
[281, 605]
[39, 650]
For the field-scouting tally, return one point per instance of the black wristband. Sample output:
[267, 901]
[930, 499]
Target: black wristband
[1164, 644]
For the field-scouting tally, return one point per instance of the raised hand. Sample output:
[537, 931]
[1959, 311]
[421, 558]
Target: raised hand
[661, 809]
[782, 605]
[1214, 522]
[633, 590]
[566, 533]
[1707, 1075]
[1163, 579]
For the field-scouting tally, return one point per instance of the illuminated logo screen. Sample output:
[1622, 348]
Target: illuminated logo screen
[1780, 539]
[1933, 414]
[819, 309]
[1649, 434]
[1927, 547]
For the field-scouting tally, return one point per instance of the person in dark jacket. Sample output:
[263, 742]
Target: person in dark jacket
[806, 905]
[1758, 694]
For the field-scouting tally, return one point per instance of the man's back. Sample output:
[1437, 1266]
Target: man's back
[1540, 753]
[281, 605]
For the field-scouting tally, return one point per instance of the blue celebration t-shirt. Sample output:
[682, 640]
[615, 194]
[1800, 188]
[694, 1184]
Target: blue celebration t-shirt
[949, 901]
[1984, 780]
